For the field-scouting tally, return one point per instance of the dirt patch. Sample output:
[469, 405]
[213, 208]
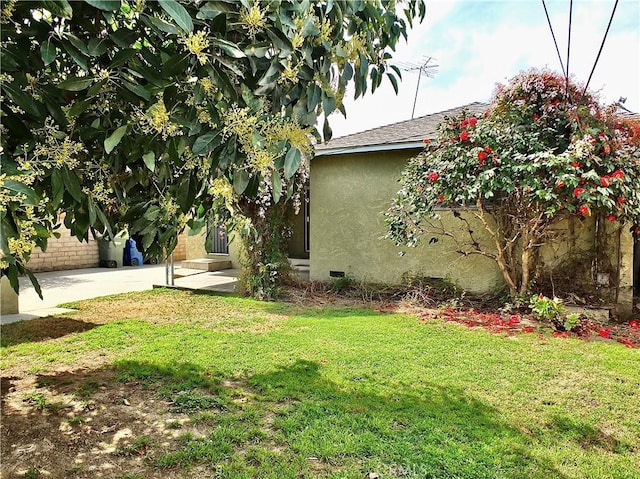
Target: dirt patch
[86, 424]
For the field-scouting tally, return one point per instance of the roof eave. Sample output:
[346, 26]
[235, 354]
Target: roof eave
[348, 150]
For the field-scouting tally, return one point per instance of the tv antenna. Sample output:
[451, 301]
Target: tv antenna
[425, 67]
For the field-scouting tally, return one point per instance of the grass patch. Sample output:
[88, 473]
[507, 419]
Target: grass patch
[192, 401]
[245, 389]
[138, 447]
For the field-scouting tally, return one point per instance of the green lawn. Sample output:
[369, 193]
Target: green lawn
[276, 390]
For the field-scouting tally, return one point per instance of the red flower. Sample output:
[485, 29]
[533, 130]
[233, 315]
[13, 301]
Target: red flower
[536, 117]
[576, 164]
[578, 191]
[605, 180]
[426, 141]
[528, 329]
[482, 156]
[611, 218]
[634, 323]
[618, 174]
[472, 121]
[433, 176]
[464, 136]
[514, 319]
[464, 123]
[604, 333]
[560, 184]
[441, 198]
[584, 210]
[621, 200]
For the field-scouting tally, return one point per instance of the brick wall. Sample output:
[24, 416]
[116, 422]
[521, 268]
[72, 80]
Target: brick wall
[65, 252]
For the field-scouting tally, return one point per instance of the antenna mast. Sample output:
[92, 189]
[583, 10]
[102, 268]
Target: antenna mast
[425, 67]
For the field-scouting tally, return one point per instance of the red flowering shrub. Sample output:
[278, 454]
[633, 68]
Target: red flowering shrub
[584, 210]
[542, 151]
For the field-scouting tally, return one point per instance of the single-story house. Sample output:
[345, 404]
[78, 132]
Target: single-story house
[352, 182]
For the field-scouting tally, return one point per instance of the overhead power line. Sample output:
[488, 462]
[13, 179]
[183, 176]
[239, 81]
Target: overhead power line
[613, 12]
[566, 76]
[555, 42]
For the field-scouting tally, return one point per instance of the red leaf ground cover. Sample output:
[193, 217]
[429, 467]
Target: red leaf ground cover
[627, 334]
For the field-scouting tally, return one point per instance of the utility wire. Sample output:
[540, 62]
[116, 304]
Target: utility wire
[554, 38]
[566, 76]
[601, 47]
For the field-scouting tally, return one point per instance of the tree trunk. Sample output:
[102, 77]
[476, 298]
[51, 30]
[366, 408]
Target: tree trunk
[265, 266]
[526, 271]
[501, 249]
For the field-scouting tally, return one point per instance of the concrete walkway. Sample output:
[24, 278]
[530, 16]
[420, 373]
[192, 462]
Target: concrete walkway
[60, 287]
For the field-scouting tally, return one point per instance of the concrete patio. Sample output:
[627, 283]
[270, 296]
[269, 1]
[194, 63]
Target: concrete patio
[59, 287]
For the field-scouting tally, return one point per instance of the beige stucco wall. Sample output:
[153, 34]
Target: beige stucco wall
[8, 297]
[625, 286]
[349, 194]
[234, 251]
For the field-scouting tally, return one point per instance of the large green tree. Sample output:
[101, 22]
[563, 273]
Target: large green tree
[148, 115]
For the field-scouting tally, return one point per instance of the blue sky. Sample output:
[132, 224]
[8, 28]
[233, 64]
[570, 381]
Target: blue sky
[478, 43]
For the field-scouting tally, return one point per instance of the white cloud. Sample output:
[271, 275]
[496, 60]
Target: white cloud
[478, 44]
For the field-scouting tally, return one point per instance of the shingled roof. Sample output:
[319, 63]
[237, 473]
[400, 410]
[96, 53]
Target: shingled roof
[406, 134]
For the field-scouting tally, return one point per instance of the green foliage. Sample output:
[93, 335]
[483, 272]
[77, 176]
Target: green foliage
[546, 308]
[77, 420]
[39, 401]
[265, 266]
[125, 114]
[32, 473]
[540, 152]
[554, 312]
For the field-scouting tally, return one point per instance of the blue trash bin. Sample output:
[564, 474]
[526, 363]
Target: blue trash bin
[132, 256]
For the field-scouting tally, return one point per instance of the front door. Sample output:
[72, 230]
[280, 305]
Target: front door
[218, 242]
